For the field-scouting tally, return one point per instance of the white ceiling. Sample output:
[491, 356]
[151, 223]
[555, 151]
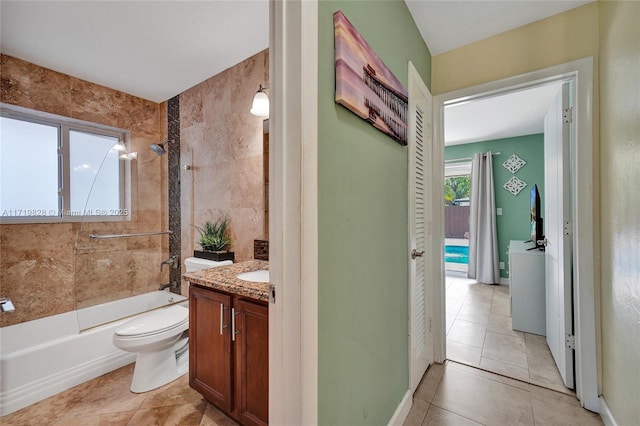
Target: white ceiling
[514, 114]
[448, 24]
[151, 49]
[158, 49]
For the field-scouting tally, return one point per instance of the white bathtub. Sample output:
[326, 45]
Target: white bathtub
[49, 355]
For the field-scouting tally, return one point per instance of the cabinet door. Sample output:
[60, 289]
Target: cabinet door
[209, 345]
[251, 404]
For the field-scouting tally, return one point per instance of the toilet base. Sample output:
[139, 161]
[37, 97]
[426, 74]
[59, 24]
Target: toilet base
[156, 369]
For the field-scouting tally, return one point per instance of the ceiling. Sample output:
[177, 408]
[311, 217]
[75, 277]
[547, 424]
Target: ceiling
[158, 49]
[514, 114]
[150, 49]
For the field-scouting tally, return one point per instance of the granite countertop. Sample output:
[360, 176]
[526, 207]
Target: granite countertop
[224, 278]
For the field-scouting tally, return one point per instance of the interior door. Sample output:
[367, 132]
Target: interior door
[420, 235]
[557, 228]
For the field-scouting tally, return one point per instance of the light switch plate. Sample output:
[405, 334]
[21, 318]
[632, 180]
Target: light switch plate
[501, 265]
[499, 211]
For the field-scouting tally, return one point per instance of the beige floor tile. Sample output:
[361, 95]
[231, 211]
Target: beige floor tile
[453, 306]
[477, 314]
[504, 368]
[501, 306]
[501, 347]
[111, 419]
[502, 324]
[542, 367]
[463, 353]
[429, 384]
[214, 417]
[183, 415]
[438, 417]
[483, 400]
[469, 333]
[175, 393]
[417, 414]
[548, 412]
[567, 397]
[450, 319]
[50, 409]
[501, 290]
[489, 375]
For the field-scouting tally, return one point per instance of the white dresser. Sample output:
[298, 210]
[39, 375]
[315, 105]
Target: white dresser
[527, 288]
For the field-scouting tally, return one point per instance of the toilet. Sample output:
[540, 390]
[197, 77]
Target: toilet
[160, 339]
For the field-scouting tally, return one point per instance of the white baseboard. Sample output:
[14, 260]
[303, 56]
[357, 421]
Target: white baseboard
[402, 411]
[606, 414]
[504, 281]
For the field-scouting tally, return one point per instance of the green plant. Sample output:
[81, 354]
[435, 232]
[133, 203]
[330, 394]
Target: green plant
[214, 236]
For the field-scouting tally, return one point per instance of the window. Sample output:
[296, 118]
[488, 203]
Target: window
[56, 169]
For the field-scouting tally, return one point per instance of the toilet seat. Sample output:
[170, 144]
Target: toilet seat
[157, 322]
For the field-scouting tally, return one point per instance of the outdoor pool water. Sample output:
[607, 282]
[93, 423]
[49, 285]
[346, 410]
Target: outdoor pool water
[456, 254]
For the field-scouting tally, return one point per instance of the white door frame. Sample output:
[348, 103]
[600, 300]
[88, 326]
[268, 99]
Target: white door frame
[293, 207]
[582, 177]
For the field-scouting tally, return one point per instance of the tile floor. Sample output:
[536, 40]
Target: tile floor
[457, 394]
[479, 334]
[107, 400]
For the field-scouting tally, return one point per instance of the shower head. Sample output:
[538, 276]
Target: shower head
[158, 148]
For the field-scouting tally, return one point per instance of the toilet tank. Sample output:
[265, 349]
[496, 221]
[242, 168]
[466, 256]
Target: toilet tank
[195, 264]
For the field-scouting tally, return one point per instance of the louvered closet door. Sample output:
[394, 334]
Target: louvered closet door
[420, 217]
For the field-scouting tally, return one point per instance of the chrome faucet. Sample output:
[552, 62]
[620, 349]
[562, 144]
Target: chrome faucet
[6, 305]
[171, 262]
[173, 287]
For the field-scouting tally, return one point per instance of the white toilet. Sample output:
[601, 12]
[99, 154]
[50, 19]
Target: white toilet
[160, 339]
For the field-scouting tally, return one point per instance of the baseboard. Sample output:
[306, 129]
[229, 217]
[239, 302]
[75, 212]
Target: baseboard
[402, 411]
[606, 414]
[504, 281]
[30, 393]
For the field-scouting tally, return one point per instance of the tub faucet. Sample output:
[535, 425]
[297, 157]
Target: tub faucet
[171, 262]
[6, 305]
[173, 287]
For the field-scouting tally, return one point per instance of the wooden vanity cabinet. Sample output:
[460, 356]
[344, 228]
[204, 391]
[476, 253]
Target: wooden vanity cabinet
[229, 353]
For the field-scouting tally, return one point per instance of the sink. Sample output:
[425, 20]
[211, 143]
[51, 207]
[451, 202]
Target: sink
[261, 276]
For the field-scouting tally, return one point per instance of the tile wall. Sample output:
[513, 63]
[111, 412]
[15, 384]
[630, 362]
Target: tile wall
[39, 268]
[222, 142]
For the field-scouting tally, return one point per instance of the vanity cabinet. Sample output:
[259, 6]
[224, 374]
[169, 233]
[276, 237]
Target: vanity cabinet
[229, 353]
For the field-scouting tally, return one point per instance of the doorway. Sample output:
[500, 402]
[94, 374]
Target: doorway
[582, 216]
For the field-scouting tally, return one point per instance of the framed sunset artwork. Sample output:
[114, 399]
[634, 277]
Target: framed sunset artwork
[365, 85]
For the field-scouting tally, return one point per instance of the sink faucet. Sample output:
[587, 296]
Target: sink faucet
[173, 287]
[170, 261]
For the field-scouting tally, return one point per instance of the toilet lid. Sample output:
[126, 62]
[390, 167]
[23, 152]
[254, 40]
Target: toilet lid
[155, 322]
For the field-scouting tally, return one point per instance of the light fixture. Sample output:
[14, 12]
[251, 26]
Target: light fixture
[260, 106]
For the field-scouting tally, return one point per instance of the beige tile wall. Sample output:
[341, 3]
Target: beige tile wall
[222, 142]
[39, 269]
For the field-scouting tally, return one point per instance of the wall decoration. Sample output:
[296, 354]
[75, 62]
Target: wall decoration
[514, 185]
[365, 85]
[514, 163]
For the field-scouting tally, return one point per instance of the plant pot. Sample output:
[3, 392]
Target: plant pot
[218, 256]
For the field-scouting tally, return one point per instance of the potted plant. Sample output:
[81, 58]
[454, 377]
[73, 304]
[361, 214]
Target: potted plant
[215, 241]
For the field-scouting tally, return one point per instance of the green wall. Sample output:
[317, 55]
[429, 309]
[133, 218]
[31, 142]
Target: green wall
[362, 229]
[514, 222]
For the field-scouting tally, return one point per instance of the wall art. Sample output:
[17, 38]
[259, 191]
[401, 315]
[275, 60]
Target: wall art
[365, 85]
[514, 163]
[514, 185]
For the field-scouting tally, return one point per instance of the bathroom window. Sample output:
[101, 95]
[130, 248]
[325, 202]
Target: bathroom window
[55, 169]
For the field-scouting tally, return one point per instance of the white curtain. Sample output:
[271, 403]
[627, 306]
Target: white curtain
[483, 236]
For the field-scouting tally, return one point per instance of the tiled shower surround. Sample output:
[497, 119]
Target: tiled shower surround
[222, 142]
[39, 268]
[52, 268]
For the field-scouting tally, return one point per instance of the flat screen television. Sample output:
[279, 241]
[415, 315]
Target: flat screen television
[536, 227]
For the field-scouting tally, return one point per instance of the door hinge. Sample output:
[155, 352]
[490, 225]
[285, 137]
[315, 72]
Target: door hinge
[567, 115]
[570, 341]
[272, 293]
[429, 325]
[568, 228]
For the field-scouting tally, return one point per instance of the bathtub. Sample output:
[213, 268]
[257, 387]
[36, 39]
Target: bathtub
[46, 356]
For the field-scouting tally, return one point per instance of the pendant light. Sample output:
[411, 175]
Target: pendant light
[260, 106]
